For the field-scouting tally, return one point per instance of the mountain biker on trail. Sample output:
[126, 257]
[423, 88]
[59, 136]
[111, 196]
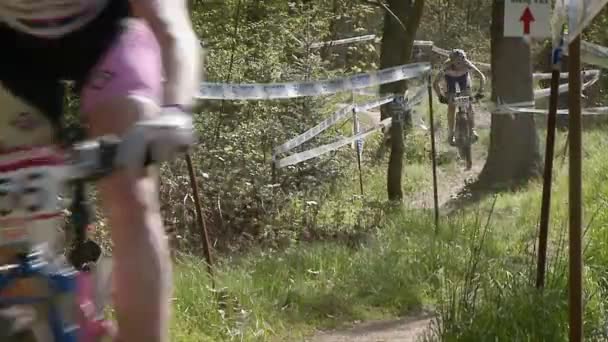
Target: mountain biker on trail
[456, 70]
[136, 65]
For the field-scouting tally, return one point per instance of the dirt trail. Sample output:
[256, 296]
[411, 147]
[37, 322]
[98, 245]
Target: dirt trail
[450, 182]
[404, 330]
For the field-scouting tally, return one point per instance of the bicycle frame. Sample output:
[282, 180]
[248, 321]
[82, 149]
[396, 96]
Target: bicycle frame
[33, 265]
[463, 128]
[463, 103]
[90, 162]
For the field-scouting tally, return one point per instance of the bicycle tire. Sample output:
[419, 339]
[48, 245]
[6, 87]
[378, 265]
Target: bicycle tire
[6, 334]
[466, 155]
[464, 139]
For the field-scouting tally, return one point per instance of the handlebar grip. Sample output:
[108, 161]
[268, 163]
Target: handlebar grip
[108, 147]
[149, 160]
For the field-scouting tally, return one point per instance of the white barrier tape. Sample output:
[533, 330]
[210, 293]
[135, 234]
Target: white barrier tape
[545, 92]
[590, 53]
[585, 111]
[547, 75]
[317, 151]
[219, 91]
[593, 54]
[441, 51]
[332, 120]
[364, 38]
[578, 14]
[501, 105]
[313, 132]
[373, 104]
[344, 41]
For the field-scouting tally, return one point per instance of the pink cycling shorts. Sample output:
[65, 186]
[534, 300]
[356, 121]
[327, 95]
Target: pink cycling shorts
[132, 66]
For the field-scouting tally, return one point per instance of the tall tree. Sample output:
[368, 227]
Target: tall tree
[514, 154]
[401, 21]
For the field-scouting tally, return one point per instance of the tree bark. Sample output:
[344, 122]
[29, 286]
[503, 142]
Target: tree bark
[397, 44]
[514, 155]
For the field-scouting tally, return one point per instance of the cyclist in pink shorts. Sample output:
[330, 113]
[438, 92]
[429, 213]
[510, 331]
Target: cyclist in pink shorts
[136, 65]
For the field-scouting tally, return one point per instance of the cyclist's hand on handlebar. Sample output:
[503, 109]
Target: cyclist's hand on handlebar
[443, 99]
[157, 140]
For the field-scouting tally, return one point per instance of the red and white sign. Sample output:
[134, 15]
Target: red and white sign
[531, 18]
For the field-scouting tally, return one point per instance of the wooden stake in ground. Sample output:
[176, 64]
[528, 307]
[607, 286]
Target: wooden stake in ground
[575, 279]
[548, 174]
[201, 222]
[358, 151]
[357, 142]
[433, 154]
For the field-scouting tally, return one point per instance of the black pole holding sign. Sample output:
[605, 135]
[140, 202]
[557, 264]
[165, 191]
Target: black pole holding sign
[548, 174]
[575, 279]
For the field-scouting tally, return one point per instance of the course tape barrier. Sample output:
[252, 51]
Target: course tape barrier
[332, 120]
[585, 111]
[219, 91]
[363, 38]
[593, 54]
[527, 107]
[577, 14]
[545, 92]
[338, 115]
[590, 53]
[547, 75]
[317, 151]
[344, 41]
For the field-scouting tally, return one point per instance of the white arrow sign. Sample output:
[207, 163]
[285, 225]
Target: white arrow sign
[528, 18]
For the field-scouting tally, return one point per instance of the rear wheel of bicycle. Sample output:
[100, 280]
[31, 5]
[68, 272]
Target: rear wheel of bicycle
[6, 334]
[465, 154]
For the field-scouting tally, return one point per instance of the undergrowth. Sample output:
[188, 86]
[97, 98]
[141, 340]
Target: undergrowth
[476, 273]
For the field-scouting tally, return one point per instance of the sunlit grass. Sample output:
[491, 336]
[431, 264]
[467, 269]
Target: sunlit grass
[477, 272]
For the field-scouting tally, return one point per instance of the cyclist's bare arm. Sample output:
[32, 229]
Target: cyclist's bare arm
[482, 77]
[170, 22]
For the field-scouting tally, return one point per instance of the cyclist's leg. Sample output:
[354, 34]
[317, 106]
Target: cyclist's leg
[465, 83]
[451, 116]
[451, 90]
[124, 88]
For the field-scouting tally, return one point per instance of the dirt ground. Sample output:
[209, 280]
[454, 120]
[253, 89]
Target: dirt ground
[403, 330]
[411, 329]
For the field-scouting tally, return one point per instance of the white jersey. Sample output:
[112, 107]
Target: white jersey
[49, 18]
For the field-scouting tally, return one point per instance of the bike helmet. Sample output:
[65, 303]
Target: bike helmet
[458, 54]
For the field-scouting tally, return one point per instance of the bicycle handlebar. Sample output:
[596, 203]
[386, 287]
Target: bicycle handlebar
[95, 158]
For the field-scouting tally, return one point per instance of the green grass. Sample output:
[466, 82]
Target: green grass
[477, 272]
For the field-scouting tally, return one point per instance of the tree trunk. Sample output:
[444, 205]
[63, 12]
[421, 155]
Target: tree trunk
[514, 154]
[397, 44]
